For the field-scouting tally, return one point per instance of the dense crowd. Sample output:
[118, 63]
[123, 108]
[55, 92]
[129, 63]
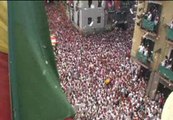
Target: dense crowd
[84, 63]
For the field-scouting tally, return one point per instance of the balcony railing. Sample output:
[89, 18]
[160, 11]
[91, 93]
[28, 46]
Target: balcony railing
[111, 10]
[166, 72]
[170, 34]
[148, 25]
[144, 59]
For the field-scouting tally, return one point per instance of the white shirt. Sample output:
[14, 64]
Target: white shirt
[149, 17]
[141, 48]
[171, 25]
[146, 52]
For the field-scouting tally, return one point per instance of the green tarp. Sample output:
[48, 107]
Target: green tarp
[148, 25]
[36, 90]
[166, 72]
[170, 34]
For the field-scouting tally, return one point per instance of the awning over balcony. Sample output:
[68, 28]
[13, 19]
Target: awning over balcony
[166, 72]
[148, 25]
[170, 34]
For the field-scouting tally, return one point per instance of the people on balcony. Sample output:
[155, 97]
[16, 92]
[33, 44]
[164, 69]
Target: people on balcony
[156, 21]
[165, 61]
[171, 25]
[149, 16]
[152, 14]
[151, 19]
[168, 63]
[169, 66]
[141, 48]
[145, 50]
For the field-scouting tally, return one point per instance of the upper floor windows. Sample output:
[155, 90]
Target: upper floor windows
[99, 3]
[89, 3]
[99, 19]
[89, 20]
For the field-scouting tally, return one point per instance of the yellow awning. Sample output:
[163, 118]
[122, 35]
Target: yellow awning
[3, 27]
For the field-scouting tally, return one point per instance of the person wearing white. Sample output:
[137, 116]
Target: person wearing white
[141, 48]
[171, 25]
[146, 52]
[149, 16]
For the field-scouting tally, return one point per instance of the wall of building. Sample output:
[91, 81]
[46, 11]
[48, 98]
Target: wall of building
[166, 18]
[160, 41]
[93, 13]
[86, 12]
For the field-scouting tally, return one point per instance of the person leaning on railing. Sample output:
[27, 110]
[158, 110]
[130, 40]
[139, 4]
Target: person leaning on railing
[171, 25]
[149, 16]
[141, 48]
[165, 61]
[156, 20]
[168, 63]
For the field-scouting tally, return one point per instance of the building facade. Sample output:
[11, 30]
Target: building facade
[95, 15]
[152, 46]
[88, 16]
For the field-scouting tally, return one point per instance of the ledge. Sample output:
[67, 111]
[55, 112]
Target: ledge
[140, 63]
[165, 81]
[155, 2]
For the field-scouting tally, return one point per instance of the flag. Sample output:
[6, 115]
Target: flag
[117, 4]
[5, 100]
[36, 93]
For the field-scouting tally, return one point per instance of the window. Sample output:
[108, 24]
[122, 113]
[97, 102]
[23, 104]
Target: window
[148, 43]
[72, 15]
[89, 20]
[171, 54]
[99, 3]
[78, 18]
[99, 19]
[151, 18]
[89, 3]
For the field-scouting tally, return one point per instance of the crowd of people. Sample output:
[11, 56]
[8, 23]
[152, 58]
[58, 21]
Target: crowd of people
[85, 62]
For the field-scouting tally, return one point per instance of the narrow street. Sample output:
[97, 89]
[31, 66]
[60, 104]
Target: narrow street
[84, 63]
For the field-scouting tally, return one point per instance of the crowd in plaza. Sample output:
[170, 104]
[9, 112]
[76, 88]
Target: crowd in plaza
[85, 62]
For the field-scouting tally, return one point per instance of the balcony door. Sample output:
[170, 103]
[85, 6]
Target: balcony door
[171, 53]
[148, 43]
[78, 18]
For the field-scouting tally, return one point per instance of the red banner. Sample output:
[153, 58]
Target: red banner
[5, 102]
[117, 4]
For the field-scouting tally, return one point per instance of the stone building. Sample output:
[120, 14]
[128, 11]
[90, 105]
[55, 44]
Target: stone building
[152, 41]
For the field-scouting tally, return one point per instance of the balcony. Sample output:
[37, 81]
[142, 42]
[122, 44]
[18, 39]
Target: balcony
[144, 59]
[166, 73]
[151, 18]
[111, 10]
[170, 34]
[148, 25]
